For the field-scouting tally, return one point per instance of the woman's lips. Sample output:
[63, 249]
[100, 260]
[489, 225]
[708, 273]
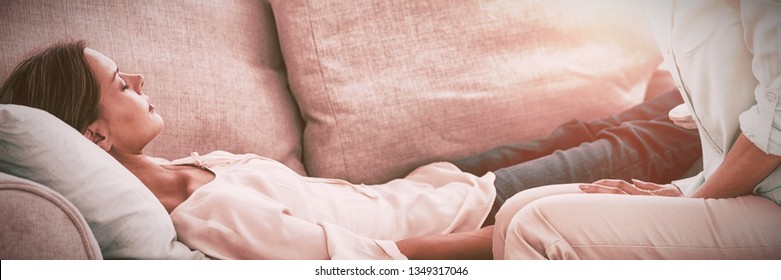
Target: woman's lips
[151, 108]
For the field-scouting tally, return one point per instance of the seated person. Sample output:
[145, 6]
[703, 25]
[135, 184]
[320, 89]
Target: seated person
[726, 56]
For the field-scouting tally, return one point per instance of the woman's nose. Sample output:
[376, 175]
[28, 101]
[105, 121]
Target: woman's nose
[138, 82]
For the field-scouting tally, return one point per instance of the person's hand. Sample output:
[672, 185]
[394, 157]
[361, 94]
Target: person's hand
[636, 188]
[681, 116]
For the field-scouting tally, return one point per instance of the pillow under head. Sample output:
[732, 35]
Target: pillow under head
[125, 217]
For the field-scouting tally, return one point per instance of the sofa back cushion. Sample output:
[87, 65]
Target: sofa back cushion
[385, 86]
[213, 68]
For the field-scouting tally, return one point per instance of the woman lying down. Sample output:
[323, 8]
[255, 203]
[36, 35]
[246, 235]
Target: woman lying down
[249, 207]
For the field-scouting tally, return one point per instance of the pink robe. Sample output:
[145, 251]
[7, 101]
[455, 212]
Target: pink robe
[257, 208]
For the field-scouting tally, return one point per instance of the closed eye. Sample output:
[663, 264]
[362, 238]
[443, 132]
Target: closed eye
[124, 85]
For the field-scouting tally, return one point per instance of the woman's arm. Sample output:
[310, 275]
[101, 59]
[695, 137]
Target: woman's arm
[740, 172]
[473, 245]
[751, 159]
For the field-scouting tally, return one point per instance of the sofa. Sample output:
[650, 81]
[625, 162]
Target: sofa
[360, 90]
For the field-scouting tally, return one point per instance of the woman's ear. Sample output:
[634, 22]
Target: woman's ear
[97, 135]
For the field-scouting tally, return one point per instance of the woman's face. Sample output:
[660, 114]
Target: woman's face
[127, 120]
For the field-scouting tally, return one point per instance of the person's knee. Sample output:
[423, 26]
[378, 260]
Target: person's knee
[520, 239]
[531, 217]
[503, 218]
[515, 203]
[509, 209]
[534, 232]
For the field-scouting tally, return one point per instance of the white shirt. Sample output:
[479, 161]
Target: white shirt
[724, 57]
[257, 208]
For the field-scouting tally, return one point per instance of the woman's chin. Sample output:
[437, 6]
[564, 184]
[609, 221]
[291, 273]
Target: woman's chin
[156, 118]
[158, 123]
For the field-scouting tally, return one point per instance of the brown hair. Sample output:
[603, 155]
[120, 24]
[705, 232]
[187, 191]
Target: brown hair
[57, 80]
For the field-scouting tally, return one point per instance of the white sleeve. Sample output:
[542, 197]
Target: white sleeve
[762, 29]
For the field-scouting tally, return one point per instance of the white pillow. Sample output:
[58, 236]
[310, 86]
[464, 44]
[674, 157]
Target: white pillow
[126, 218]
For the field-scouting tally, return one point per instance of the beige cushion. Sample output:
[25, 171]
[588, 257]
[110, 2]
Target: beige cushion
[212, 68]
[385, 86]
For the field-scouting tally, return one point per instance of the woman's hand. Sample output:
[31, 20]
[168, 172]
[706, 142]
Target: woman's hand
[636, 188]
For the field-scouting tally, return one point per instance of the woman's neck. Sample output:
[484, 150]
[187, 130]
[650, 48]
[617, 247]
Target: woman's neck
[170, 186]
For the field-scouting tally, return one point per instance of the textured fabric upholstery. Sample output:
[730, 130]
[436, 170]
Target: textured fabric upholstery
[38, 223]
[385, 86]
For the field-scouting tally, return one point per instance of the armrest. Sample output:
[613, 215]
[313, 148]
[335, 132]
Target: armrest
[39, 223]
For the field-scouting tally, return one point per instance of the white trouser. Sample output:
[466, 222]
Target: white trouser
[562, 222]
